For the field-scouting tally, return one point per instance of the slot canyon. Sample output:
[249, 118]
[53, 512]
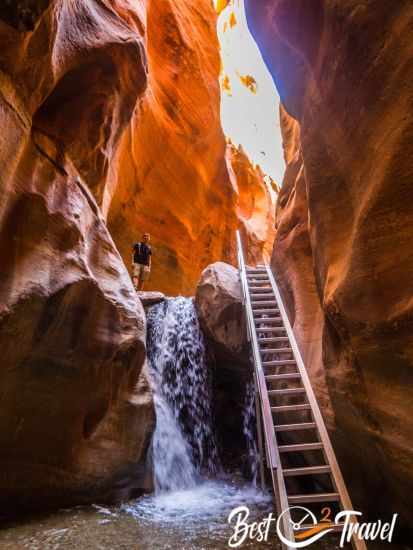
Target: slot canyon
[113, 125]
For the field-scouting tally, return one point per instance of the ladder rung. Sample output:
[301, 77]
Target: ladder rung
[276, 350]
[258, 296]
[273, 339]
[287, 408]
[300, 447]
[260, 288]
[256, 270]
[283, 376]
[278, 363]
[267, 320]
[269, 329]
[262, 303]
[293, 427]
[315, 497]
[286, 391]
[259, 275]
[309, 470]
[272, 311]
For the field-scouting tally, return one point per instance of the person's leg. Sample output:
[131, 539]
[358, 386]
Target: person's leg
[140, 277]
[135, 276]
[143, 276]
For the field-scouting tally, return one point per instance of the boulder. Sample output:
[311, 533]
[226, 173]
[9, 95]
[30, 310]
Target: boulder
[218, 301]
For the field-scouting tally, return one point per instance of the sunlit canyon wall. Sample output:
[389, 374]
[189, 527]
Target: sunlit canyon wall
[174, 175]
[343, 252]
[109, 111]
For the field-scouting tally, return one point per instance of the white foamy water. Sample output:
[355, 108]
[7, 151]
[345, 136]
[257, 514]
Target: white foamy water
[173, 467]
[192, 498]
[206, 505]
[184, 445]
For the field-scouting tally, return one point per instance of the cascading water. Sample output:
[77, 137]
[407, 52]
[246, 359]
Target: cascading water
[183, 444]
[193, 496]
[249, 430]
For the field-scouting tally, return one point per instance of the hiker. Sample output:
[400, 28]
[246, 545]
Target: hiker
[141, 262]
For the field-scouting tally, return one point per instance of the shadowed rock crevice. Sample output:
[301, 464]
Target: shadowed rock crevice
[23, 14]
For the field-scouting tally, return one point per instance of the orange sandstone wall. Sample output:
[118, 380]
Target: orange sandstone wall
[173, 176]
[76, 412]
[110, 126]
[343, 250]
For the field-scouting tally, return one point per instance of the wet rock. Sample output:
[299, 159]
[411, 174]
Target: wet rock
[149, 298]
[343, 247]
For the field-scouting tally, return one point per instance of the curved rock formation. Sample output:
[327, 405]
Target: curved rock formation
[172, 178]
[343, 250]
[75, 407]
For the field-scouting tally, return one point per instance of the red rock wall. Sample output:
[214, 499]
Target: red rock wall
[75, 408]
[110, 126]
[172, 178]
[343, 247]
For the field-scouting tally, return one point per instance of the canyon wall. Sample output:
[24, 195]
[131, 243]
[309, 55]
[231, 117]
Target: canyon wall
[110, 127]
[175, 177]
[343, 253]
[76, 412]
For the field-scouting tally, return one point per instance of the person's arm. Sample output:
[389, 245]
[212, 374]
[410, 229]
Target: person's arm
[150, 258]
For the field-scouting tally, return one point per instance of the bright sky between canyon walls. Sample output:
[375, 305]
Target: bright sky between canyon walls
[250, 102]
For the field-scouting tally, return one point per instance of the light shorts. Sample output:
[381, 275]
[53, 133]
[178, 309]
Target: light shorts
[141, 271]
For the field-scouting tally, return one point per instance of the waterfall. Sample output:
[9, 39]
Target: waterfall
[249, 430]
[183, 444]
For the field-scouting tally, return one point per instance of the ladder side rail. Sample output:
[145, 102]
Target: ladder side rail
[318, 418]
[262, 387]
[262, 445]
[280, 492]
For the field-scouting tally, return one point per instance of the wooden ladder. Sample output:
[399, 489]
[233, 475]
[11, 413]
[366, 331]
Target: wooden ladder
[280, 374]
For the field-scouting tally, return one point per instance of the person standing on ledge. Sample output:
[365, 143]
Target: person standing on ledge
[141, 261]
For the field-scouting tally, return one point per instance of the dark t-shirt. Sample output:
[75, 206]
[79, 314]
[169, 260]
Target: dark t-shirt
[141, 254]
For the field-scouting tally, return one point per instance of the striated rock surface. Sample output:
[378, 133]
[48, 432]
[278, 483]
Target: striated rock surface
[173, 177]
[343, 252]
[76, 411]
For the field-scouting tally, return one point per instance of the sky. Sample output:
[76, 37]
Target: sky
[248, 118]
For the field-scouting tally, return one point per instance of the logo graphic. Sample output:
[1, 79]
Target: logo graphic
[306, 529]
[315, 530]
